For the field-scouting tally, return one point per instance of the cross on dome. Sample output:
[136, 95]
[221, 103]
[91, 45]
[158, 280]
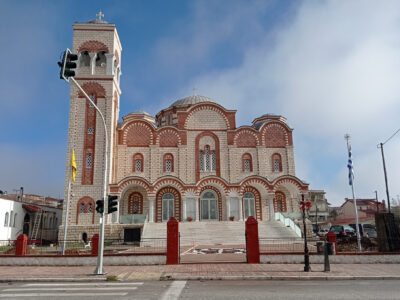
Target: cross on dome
[100, 15]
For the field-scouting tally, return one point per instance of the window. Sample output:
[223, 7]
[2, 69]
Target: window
[276, 163]
[138, 163]
[84, 60]
[11, 218]
[6, 220]
[90, 208]
[93, 98]
[168, 163]
[90, 130]
[89, 160]
[208, 160]
[15, 218]
[101, 59]
[247, 165]
[82, 208]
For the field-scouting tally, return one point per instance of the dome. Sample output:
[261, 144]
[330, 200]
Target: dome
[191, 100]
[139, 112]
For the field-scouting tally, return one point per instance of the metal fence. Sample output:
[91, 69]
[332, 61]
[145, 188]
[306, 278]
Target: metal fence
[78, 247]
[7, 247]
[287, 245]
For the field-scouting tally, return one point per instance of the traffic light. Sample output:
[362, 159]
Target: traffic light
[100, 206]
[67, 65]
[112, 203]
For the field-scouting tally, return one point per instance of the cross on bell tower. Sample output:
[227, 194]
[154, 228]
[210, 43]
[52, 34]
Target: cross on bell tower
[100, 15]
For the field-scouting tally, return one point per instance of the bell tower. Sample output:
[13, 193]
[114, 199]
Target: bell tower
[98, 73]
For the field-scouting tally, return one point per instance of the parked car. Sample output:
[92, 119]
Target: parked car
[363, 227]
[343, 231]
[323, 232]
[370, 233]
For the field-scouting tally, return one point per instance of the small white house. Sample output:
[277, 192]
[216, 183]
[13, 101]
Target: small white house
[11, 219]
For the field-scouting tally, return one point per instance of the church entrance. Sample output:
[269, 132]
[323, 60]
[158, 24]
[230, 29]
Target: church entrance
[167, 206]
[132, 235]
[209, 206]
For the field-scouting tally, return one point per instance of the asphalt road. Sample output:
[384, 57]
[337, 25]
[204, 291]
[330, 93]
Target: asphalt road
[285, 289]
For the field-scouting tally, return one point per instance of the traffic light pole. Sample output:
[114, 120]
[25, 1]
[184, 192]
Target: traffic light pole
[99, 267]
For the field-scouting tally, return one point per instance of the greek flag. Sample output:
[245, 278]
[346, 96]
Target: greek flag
[350, 166]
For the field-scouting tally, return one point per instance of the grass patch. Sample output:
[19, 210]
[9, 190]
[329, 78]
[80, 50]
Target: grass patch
[112, 278]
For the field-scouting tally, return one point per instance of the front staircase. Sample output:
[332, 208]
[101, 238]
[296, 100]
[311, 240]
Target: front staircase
[218, 233]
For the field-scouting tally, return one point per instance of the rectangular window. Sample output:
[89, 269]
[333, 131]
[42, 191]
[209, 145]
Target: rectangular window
[138, 165]
[247, 165]
[90, 130]
[168, 165]
[277, 167]
[89, 160]
[213, 161]
[201, 161]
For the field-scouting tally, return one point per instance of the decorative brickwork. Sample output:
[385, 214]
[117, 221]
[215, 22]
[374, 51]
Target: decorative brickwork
[177, 203]
[89, 142]
[246, 139]
[93, 88]
[258, 204]
[138, 134]
[217, 153]
[280, 202]
[207, 116]
[168, 138]
[85, 206]
[135, 203]
[275, 136]
[93, 46]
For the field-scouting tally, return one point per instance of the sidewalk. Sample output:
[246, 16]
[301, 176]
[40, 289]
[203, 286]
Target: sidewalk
[203, 272]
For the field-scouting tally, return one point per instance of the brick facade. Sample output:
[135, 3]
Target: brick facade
[199, 137]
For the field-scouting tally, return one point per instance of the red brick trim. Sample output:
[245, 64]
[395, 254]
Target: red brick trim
[214, 189]
[89, 143]
[92, 88]
[135, 197]
[280, 197]
[177, 202]
[257, 201]
[197, 150]
[93, 46]
[86, 201]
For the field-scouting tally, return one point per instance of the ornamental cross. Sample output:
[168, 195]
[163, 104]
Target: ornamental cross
[100, 15]
[194, 91]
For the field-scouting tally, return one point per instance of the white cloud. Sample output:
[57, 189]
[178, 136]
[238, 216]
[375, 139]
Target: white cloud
[333, 69]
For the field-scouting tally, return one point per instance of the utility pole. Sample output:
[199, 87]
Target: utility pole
[384, 171]
[377, 202]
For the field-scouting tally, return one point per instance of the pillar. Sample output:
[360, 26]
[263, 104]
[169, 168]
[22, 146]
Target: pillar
[228, 208]
[22, 241]
[184, 217]
[172, 242]
[241, 209]
[270, 199]
[92, 62]
[110, 63]
[95, 244]
[197, 209]
[252, 242]
[151, 209]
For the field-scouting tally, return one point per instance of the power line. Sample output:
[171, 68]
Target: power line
[391, 137]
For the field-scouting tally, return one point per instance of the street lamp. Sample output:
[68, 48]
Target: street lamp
[305, 205]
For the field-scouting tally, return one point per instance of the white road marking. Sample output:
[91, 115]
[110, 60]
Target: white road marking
[174, 290]
[70, 289]
[60, 295]
[83, 284]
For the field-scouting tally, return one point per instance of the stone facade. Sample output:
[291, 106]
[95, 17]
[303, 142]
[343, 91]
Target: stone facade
[189, 161]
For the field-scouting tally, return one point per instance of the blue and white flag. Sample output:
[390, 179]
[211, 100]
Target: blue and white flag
[350, 166]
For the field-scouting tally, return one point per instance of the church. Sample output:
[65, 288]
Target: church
[189, 161]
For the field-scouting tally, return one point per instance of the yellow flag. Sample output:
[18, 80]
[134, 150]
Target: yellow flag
[73, 166]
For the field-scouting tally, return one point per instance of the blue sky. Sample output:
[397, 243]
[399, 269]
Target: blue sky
[330, 67]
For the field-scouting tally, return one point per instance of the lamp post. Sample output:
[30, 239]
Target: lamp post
[305, 205]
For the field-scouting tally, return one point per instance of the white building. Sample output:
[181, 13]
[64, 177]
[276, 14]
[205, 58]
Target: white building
[11, 219]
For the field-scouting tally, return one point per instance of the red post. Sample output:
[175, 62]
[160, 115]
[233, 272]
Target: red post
[95, 244]
[252, 242]
[331, 237]
[20, 247]
[172, 242]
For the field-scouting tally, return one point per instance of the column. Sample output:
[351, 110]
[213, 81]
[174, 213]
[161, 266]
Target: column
[151, 209]
[184, 217]
[92, 62]
[197, 209]
[110, 63]
[240, 209]
[270, 199]
[228, 208]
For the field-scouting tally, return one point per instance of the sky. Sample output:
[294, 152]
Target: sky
[329, 67]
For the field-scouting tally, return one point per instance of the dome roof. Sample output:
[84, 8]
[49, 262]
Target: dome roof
[191, 100]
[139, 112]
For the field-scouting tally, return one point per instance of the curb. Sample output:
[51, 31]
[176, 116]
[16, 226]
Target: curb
[54, 279]
[267, 277]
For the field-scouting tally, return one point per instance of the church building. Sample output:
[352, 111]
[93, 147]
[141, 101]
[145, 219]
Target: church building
[189, 161]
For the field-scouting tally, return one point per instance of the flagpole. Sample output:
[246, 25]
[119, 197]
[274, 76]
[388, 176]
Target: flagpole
[351, 177]
[66, 212]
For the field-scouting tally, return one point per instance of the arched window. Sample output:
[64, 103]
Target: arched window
[276, 162]
[168, 163]
[167, 206]
[208, 159]
[6, 220]
[15, 218]
[247, 164]
[11, 218]
[209, 206]
[84, 59]
[249, 205]
[135, 203]
[138, 163]
[280, 202]
[85, 206]
[101, 59]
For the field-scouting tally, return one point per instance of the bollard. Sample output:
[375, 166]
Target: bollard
[20, 247]
[327, 267]
[172, 241]
[331, 237]
[95, 244]
[252, 242]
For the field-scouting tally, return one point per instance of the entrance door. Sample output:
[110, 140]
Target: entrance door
[249, 205]
[132, 235]
[167, 206]
[209, 206]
